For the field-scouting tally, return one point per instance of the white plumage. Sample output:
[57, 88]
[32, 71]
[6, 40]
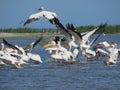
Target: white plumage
[51, 16]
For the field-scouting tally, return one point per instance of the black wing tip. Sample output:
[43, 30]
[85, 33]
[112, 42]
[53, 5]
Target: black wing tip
[26, 22]
[4, 41]
[55, 20]
[70, 26]
[37, 41]
[40, 38]
[103, 25]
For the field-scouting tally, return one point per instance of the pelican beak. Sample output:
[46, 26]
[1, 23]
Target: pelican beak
[4, 51]
[110, 46]
[48, 45]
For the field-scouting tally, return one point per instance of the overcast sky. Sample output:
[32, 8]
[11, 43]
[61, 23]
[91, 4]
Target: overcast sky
[13, 13]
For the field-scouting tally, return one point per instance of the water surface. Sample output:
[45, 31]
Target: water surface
[54, 76]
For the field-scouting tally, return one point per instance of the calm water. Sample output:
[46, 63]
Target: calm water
[54, 76]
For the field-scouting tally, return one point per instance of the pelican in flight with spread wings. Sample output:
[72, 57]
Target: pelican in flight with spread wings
[51, 16]
[82, 39]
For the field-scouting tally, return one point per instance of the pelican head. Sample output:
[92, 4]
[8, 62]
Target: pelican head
[114, 45]
[41, 9]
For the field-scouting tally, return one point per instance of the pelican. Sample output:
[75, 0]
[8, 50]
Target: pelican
[1, 46]
[76, 36]
[110, 53]
[51, 16]
[82, 40]
[7, 58]
[61, 53]
[77, 39]
[25, 53]
[119, 52]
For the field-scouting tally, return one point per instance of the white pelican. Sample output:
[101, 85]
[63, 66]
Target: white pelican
[59, 52]
[1, 46]
[83, 40]
[76, 36]
[11, 60]
[51, 16]
[119, 52]
[25, 53]
[110, 53]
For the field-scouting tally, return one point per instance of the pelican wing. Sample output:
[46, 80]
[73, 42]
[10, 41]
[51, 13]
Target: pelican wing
[63, 30]
[33, 17]
[12, 46]
[29, 47]
[84, 33]
[37, 41]
[102, 52]
[51, 16]
[71, 27]
[94, 40]
[99, 46]
[89, 34]
[73, 32]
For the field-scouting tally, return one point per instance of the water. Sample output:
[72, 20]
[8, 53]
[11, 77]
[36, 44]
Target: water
[54, 76]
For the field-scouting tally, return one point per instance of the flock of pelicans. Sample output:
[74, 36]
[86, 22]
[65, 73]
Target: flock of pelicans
[77, 44]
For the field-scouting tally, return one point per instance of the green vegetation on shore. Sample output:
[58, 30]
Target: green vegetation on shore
[110, 29]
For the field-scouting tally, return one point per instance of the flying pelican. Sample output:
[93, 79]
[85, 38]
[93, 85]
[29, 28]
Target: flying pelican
[82, 40]
[76, 36]
[51, 16]
[68, 35]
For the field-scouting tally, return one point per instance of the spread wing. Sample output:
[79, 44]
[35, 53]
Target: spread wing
[33, 17]
[12, 46]
[89, 34]
[29, 47]
[73, 32]
[63, 30]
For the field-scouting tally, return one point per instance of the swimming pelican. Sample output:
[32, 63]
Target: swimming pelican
[1, 46]
[7, 58]
[25, 53]
[51, 16]
[111, 53]
[61, 53]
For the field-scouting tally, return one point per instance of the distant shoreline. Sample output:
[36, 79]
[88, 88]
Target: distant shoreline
[25, 35]
[29, 35]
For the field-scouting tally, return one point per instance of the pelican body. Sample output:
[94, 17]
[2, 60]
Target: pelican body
[51, 16]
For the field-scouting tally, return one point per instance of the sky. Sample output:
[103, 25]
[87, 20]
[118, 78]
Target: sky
[13, 13]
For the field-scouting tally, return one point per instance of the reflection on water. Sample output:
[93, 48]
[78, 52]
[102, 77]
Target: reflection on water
[54, 76]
